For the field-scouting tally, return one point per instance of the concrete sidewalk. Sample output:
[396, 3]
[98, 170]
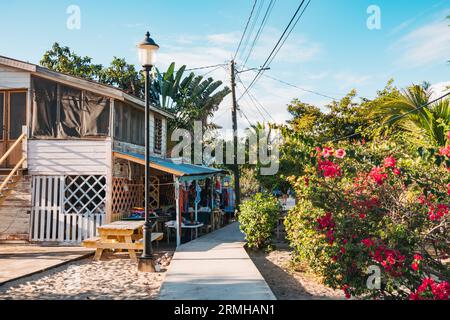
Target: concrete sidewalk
[215, 267]
[19, 260]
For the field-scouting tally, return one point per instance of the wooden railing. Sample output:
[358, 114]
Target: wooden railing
[18, 165]
[10, 150]
[10, 175]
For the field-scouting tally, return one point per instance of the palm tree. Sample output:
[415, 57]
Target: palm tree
[411, 113]
[191, 98]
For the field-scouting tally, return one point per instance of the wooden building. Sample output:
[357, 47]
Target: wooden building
[71, 154]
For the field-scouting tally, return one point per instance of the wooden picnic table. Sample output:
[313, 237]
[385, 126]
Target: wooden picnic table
[120, 235]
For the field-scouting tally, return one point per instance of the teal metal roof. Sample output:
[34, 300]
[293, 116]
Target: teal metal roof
[185, 169]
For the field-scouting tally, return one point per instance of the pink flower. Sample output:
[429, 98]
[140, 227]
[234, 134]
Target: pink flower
[327, 152]
[430, 290]
[377, 175]
[448, 135]
[418, 257]
[340, 153]
[445, 151]
[390, 162]
[396, 171]
[329, 169]
[367, 242]
[448, 189]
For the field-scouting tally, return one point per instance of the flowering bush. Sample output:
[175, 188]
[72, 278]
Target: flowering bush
[258, 219]
[360, 207]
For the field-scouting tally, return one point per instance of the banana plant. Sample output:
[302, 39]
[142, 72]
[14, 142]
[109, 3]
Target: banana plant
[192, 98]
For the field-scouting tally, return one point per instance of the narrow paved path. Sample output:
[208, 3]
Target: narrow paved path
[215, 267]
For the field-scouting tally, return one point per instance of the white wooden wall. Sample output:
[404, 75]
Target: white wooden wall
[12, 78]
[69, 157]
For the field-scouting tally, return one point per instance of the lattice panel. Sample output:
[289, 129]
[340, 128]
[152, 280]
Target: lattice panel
[154, 193]
[122, 199]
[85, 194]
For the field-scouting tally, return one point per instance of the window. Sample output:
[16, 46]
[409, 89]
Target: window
[17, 113]
[129, 123]
[64, 112]
[158, 135]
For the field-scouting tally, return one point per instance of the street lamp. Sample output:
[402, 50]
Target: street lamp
[147, 58]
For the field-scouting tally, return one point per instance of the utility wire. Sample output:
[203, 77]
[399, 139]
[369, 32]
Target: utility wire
[249, 34]
[245, 30]
[275, 48]
[256, 102]
[300, 88]
[206, 67]
[293, 27]
[392, 119]
[260, 30]
[251, 100]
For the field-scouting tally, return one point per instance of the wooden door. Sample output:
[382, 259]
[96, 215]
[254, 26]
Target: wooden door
[13, 116]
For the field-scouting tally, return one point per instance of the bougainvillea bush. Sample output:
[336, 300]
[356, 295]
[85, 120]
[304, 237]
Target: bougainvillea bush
[364, 208]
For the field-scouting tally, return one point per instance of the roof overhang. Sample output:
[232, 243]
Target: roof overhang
[182, 170]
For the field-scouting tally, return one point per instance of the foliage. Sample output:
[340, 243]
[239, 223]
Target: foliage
[248, 181]
[122, 75]
[191, 98]
[61, 59]
[409, 113]
[258, 219]
[374, 205]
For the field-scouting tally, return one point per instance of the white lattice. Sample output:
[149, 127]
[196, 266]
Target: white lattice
[84, 194]
[52, 194]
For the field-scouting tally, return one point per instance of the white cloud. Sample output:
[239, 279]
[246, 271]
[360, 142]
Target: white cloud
[439, 89]
[350, 80]
[224, 39]
[424, 46]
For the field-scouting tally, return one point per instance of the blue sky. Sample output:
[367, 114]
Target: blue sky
[331, 50]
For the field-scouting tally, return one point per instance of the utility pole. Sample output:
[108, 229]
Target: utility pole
[237, 185]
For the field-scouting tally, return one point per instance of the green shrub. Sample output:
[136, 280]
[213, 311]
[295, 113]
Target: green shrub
[258, 219]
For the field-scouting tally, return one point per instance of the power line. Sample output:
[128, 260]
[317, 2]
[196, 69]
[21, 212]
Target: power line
[252, 101]
[275, 48]
[260, 30]
[256, 102]
[245, 30]
[393, 119]
[249, 34]
[206, 67]
[300, 88]
[293, 27]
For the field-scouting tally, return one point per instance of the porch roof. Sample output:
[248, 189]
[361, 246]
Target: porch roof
[183, 170]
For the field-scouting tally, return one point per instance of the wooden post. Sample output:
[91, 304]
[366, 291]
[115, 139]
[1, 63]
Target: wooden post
[109, 182]
[178, 213]
[25, 147]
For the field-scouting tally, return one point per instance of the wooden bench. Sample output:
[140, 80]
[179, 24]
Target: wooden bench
[120, 235]
[101, 244]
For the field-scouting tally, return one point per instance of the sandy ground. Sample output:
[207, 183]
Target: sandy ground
[114, 278]
[287, 284]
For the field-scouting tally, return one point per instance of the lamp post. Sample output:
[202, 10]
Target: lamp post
[147, 58]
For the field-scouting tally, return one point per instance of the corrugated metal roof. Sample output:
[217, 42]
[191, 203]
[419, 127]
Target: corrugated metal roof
[180, 169]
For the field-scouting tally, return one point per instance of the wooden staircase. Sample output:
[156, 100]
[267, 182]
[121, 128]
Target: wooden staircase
[14, 195]
[9, 181]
